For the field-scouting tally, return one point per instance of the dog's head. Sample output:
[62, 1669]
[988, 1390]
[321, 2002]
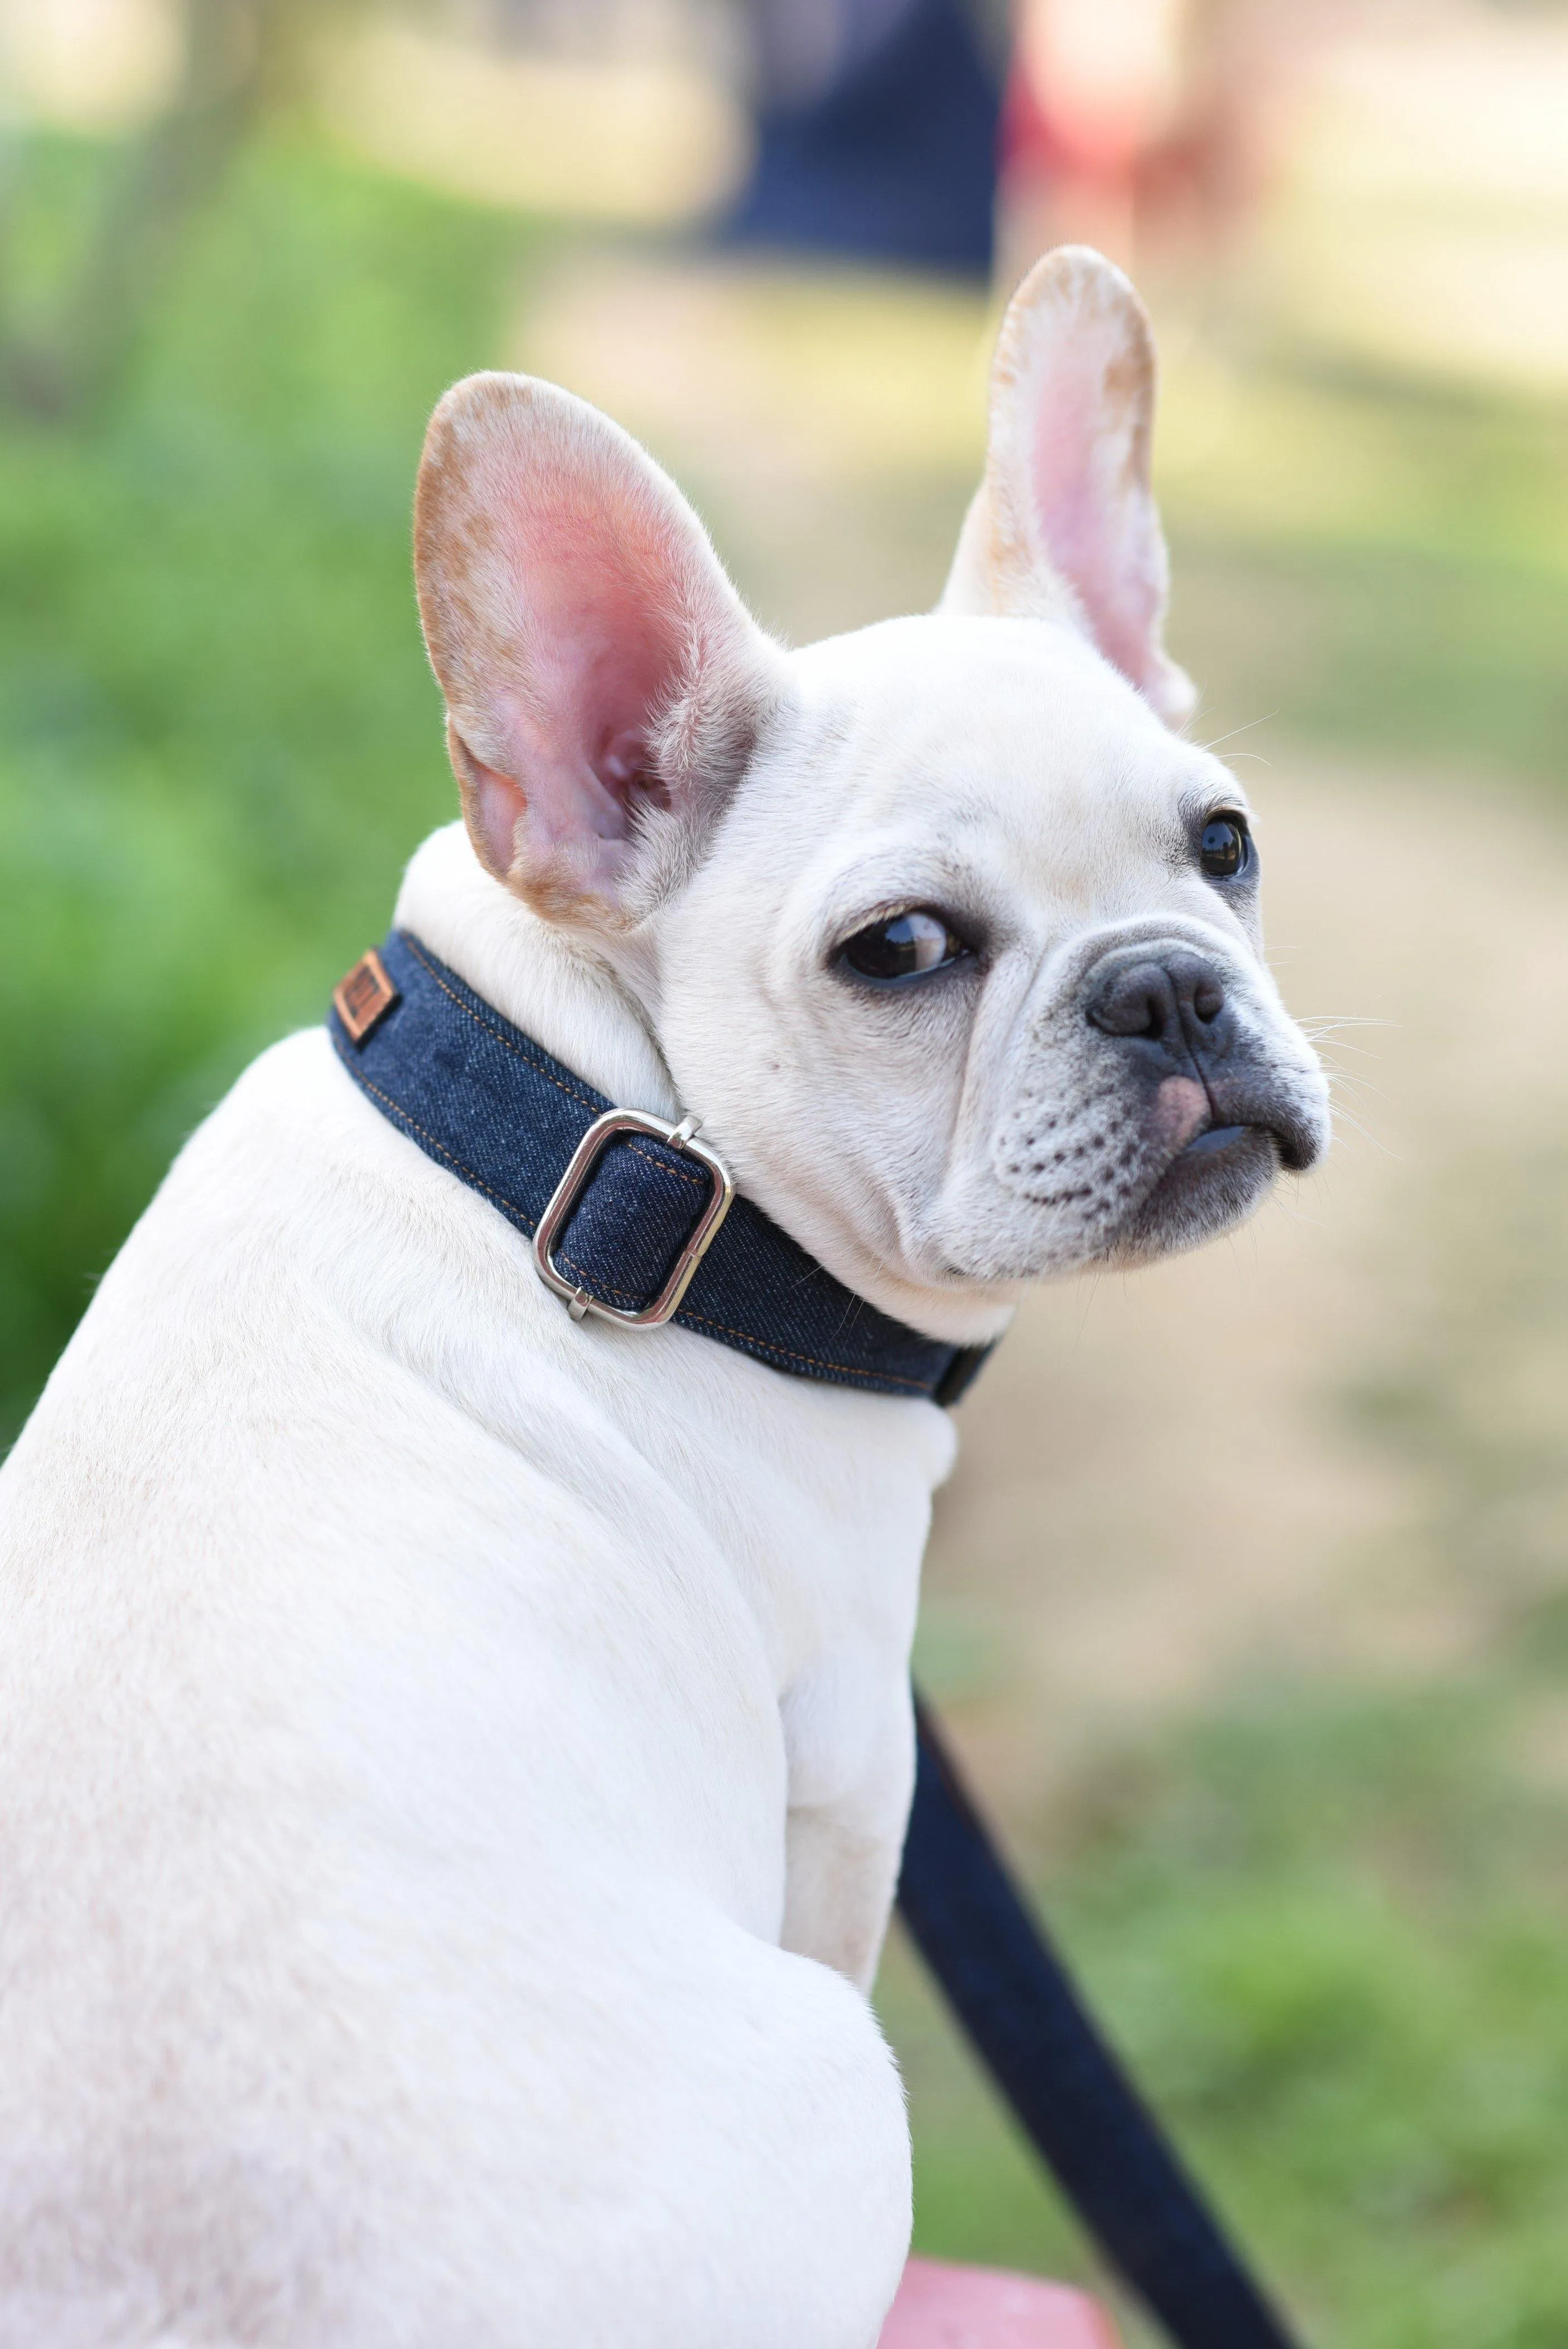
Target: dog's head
[951, 940]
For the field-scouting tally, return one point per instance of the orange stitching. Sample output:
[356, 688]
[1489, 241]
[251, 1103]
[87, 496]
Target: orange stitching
[519, 1052]
[814, 1361]
[683, 1312]
[630, 1295]
[573, 1265]
[451, 1157]
[516, 1050]
[677, 1174]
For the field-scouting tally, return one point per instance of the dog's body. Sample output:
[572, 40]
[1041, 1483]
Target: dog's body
[455, 1760]
[428, 1985]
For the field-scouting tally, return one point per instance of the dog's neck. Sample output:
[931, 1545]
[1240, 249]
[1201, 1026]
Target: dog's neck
[573, 1005]
[554, 991]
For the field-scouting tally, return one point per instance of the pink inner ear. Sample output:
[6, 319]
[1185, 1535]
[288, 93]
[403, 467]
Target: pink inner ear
[605, 639]
[1092, 507]
[582, 630]
[578, 584]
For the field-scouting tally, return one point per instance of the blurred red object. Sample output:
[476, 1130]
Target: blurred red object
[1094, 86]
[1127, 120]
[944, 2307]
[1105, 82]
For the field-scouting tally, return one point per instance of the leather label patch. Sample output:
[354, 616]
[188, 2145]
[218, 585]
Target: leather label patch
[363, 997]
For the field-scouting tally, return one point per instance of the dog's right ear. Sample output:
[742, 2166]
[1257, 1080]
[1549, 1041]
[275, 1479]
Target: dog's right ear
[1064, 525]
[601, 676]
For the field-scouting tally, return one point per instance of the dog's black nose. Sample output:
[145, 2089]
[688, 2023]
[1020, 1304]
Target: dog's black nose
[1173, 999]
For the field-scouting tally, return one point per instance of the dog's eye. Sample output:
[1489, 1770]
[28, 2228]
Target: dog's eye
[906, 946]
[1222, 851]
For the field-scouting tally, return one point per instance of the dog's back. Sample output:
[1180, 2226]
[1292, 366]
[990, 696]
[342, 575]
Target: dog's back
[392, 1867]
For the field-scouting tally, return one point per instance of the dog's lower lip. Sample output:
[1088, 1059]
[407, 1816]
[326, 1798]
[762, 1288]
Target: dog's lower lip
[1215, 1137]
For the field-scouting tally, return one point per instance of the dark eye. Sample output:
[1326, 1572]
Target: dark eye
[906, 946]
[1223, 850]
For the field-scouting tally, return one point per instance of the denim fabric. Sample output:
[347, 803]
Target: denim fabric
[486, 1102]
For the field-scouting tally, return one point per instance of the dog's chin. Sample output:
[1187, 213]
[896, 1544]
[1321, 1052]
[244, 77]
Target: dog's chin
[1214, 1184]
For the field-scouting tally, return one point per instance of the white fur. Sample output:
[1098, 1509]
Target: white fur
[455, 1760]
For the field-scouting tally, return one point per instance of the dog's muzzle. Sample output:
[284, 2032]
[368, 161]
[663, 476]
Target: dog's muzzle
[1171, 1015]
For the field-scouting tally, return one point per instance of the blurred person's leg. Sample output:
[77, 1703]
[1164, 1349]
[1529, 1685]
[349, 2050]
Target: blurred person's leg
[939, 2306]
[876, 134]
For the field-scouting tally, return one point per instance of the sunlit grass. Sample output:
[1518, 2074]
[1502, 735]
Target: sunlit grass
[1329, 1928]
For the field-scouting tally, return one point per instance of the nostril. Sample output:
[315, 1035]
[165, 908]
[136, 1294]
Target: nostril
[1200, 989]
[1135, 1002]
[1166, 998]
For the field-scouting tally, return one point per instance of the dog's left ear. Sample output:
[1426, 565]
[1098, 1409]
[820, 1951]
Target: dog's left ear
[1064, 525]
[604, 681]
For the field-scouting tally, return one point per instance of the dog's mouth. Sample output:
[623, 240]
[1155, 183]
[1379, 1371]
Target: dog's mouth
[1216, 1180]
[1217, 1138]
[1122, 1182]
[1218, 1175]
[1245, 1112]
[1217, 1143]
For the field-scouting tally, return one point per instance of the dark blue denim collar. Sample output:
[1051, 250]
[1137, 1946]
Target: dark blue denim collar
[484, 1101]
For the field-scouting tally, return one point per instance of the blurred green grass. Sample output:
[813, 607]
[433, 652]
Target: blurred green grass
[1329, 1928]
[1328, 1922]
[1381, 559]
[217, 738]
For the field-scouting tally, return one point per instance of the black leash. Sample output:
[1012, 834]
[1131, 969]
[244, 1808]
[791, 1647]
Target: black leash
[1013, 1996]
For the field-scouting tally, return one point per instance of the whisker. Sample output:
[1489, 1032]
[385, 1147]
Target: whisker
[1287, 1204]
[1094, 1278]
[1347, 1117]
[1357, 1094]
[1245, 729]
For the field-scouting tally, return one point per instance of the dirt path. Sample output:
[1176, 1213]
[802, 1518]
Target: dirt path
[1324, 1441]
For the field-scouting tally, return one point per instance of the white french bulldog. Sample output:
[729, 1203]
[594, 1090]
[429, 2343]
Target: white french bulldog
[453, 1759]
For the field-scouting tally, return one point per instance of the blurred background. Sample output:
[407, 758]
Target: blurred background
[1248, 1604]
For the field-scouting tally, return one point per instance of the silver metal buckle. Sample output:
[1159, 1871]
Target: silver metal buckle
[575, 1181]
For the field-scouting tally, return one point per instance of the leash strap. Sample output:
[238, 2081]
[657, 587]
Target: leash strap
[1014, 1998]
[490, 1105]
